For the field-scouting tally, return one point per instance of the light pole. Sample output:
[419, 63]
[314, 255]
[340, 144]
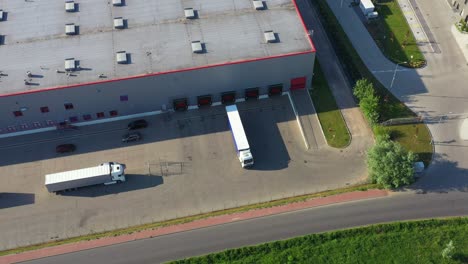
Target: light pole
[394, 73]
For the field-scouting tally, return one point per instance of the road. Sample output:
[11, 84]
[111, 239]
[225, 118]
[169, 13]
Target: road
[400, 206]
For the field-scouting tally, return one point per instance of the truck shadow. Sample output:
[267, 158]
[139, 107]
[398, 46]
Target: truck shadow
[266, 142]
[8, 200]
[134, 182]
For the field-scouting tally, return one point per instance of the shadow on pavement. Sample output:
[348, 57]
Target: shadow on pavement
[16, 199]
[134, 182]
[442, 176]
[265, 140]
[259, 117]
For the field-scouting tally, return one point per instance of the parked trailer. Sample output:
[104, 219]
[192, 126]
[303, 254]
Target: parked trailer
[240, 139]
[366, 6]
[106, 173]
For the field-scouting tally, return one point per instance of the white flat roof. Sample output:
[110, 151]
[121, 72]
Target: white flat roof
[76, 174]
[367, 4]
[157, 37]
[237, 128]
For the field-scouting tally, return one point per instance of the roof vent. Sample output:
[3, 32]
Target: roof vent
[270, 36]
[197, 46]
[190, 13]
[70, 64]
[70, 6]
[258, 5]
[121, 57]
[2, 14]
[70, 29]
[117, 2]
[119, 23]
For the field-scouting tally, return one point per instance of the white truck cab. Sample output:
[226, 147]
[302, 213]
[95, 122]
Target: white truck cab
[246, 158]
[117, 172]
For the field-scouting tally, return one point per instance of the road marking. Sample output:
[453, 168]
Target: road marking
[384, 71]
[298, 121]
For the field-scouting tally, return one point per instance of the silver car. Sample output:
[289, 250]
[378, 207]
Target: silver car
[131, 137]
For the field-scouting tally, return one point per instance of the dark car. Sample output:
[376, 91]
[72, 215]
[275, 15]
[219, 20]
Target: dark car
[137, 124]
[64, 148]
[131, 137]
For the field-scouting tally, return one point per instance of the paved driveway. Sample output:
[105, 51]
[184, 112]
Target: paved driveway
[186, 164]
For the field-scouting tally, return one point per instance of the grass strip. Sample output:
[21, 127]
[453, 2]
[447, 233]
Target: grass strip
[332, 122]
[400, 242]
[356, 69]
[393, 35]
[183, 220]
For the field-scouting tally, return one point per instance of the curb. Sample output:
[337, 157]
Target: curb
[203, 223]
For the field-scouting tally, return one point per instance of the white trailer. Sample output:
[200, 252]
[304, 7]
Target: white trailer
[106, 173]
[240, 139]
[366, 6]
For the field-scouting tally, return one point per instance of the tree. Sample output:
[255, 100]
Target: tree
[390, 164]
[363, 89]
[447, 252]
[368, 100]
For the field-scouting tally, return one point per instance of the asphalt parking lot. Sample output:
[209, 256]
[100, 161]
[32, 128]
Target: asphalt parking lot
[186, 164]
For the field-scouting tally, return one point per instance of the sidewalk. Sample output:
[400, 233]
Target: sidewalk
[218, 220]
[308, 119]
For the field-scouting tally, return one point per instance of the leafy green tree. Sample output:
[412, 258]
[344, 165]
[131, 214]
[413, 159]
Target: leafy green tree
[390, 164]
[370, 108]
[368, 100]
[363, 89]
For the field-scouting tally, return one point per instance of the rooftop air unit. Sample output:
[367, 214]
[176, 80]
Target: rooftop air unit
[117, 2]
[1, 15]
[70, 29]
[119, 23]
[258, 5]
[189, 13]
[70, 6]
[270, 36]
[197, 47]
[70, 64]
[121, 57]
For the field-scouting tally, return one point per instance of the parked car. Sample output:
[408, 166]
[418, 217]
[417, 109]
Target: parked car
[64, 148]
[131, 137]
[137, 124]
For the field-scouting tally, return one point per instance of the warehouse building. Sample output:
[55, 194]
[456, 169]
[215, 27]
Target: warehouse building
[86, 60]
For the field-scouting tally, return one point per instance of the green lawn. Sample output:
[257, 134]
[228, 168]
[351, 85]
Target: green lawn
[403, 242]
[330, 117]
[393, 35]
[414, 137]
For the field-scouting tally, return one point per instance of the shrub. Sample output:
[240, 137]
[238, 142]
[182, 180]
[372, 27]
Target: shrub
[390, 164]
[368, 100]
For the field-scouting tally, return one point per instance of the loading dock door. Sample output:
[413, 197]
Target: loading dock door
[251, 93]
[228, 97]
[298, 83]
[180, 104]
[276, 89]
[204, 100]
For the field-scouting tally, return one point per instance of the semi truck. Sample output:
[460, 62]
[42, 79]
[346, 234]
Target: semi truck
[240, 139]
[105, 173]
